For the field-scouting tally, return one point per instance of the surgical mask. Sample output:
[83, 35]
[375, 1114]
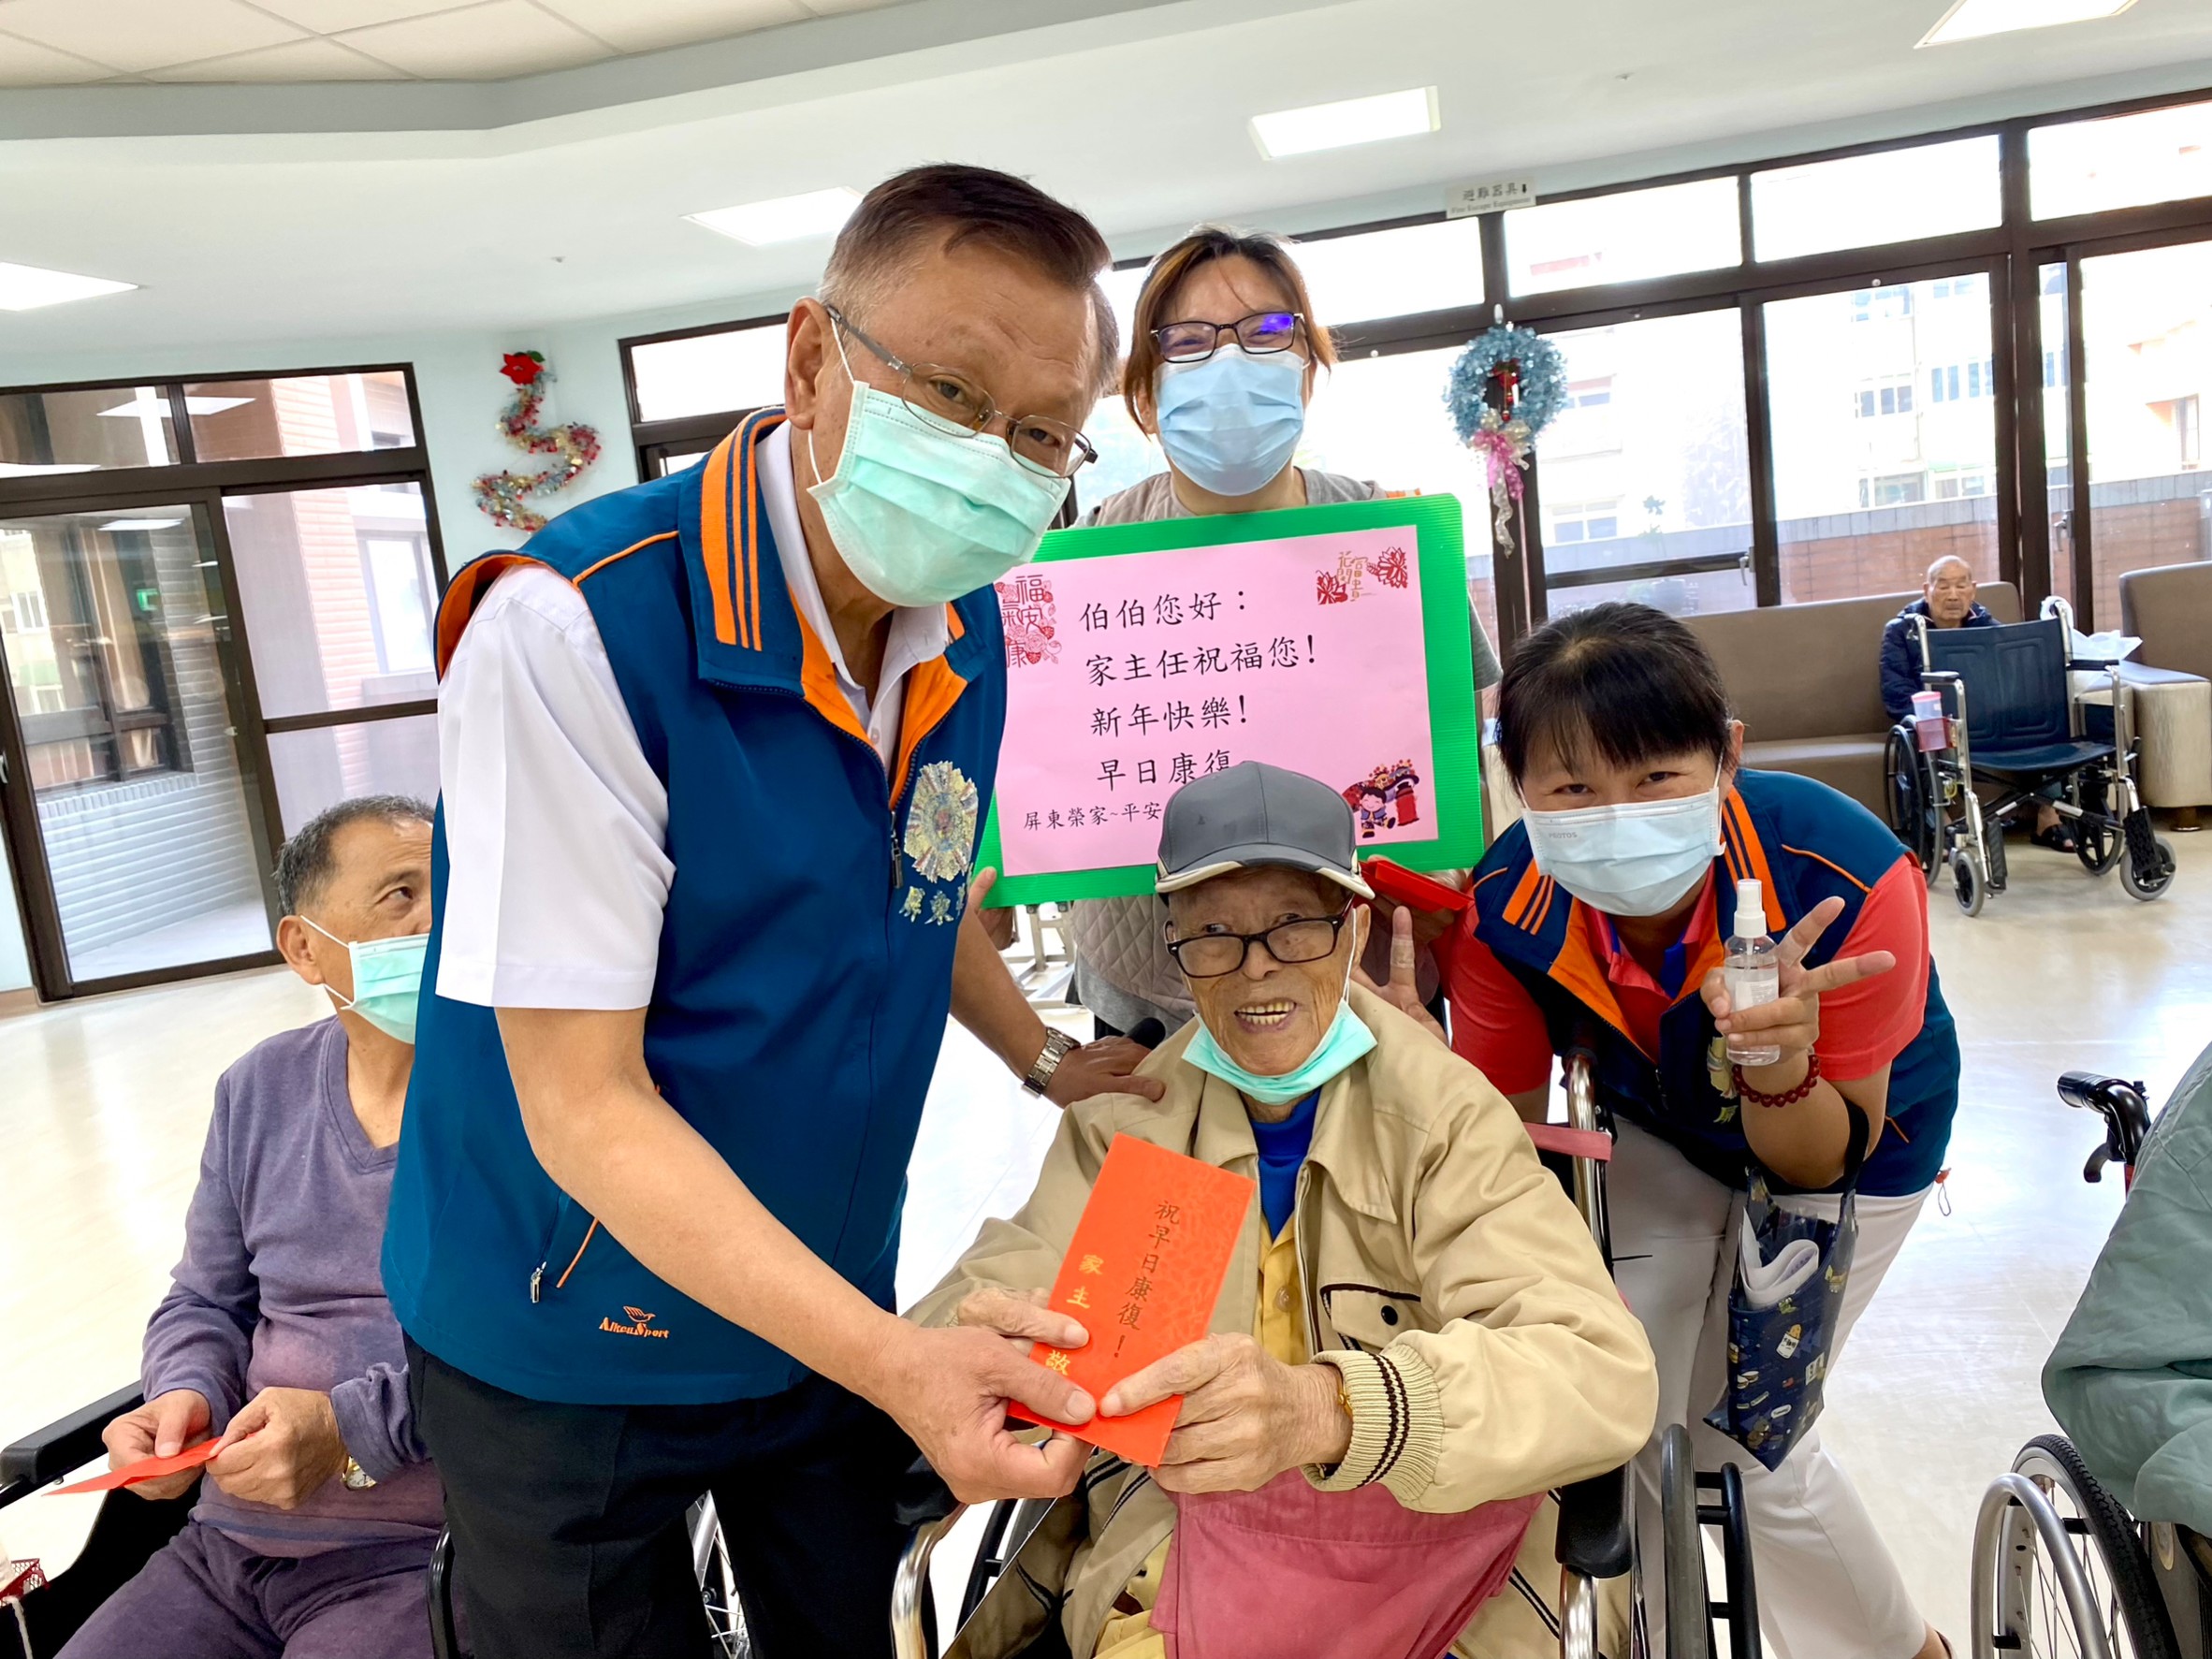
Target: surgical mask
[1347, 1040]
[1639, 859]
[1232, 423]
[923, 512]
[388, 980]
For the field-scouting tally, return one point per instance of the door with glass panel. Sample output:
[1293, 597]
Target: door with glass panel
[133, 811]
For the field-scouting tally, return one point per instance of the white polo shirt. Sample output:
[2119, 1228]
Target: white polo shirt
[556, 825]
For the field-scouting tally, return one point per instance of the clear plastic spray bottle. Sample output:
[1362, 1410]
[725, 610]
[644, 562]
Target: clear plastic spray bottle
[1751, 972]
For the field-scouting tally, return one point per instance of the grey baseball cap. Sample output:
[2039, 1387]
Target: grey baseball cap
[1256, 815]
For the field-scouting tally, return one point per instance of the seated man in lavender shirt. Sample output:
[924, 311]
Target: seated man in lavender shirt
[315, 1526]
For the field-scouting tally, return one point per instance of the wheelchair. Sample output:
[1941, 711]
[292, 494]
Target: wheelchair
[1596, 1533]
[2021, 731]
[2060, 1566]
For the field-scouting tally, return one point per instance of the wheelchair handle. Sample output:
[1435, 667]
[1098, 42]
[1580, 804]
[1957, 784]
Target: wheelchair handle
[2126, 1111]
[1589, 1184]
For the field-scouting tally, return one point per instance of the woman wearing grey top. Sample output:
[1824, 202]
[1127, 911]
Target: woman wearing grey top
[1223, 356]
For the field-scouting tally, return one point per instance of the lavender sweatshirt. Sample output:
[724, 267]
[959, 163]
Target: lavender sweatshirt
[280, 1287]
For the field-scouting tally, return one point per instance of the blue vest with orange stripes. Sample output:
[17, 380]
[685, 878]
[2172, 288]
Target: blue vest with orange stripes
[805, 968]
[1806, 843]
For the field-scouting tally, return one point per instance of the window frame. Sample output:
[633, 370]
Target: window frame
[2008, 257]
[204, 487]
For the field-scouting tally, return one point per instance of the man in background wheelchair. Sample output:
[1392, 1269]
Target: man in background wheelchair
[1418, 1337]
[1983, 703]
[316, 1520]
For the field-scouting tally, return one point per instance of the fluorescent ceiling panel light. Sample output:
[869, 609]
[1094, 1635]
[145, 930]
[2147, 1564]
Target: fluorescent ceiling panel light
[1354, 120]
[138, 407]
[26, 287]
[140, 523]
[27, 470]
[1970, 19]
[785, 219]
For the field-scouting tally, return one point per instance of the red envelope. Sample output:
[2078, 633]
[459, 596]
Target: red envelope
[1142, 1274]
[152, 1469]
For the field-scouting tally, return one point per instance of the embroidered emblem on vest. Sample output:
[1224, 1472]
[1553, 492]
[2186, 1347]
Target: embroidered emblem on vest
[939, 844]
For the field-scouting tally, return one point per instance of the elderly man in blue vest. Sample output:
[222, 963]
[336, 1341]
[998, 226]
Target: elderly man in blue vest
[715, 751]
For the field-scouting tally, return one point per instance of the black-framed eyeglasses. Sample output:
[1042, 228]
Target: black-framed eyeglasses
[1040, 442]
[1261, 332]
[1302, 939]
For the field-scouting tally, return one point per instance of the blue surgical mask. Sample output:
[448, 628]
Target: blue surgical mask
[1232, 423]
[388, 980]
[1347, 1040]
[923, 512]
[1639, 859]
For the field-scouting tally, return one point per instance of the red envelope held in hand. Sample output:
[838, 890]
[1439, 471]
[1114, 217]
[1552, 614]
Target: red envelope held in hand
[1141, 1274]
[192, 1457]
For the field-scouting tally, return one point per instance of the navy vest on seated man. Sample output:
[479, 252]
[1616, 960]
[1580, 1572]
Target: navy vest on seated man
[1805, 843]
[805, 956]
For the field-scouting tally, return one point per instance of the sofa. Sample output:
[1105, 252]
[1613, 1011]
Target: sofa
[2170, 609]
[1806, 682]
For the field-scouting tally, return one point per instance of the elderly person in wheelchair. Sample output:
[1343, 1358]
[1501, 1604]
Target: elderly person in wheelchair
[1418, 1337]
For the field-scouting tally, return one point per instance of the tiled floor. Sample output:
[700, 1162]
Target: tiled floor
[103, 1106]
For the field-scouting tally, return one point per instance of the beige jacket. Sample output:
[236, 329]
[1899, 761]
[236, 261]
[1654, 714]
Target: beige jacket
[1485, 1351]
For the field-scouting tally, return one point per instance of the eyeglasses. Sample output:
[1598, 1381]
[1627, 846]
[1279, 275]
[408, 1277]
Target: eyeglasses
[1304, 939]
[1040, 442]
[1261, 332]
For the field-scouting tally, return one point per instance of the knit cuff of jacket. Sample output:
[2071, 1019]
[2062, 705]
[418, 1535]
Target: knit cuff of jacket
[1397, 1423]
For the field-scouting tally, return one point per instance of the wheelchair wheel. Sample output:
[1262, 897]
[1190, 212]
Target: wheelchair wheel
[2096, 835]
[1966, 884]
[1913, 812]
[2032, 1615]
[1689, 1604]
[2146, 876]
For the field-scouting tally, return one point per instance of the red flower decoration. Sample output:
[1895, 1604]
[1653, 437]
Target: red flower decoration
[522, 368]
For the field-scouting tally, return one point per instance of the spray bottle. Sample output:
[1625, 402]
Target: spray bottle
[1752, 973]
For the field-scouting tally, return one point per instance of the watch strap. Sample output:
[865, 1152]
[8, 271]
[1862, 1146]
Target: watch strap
[1058, 1045]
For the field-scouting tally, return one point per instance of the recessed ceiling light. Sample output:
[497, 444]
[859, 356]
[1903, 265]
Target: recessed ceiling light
[1970, 19]
[1353, 121]
[140, 523]
[143, 405]
[25, 287]
[783, 219]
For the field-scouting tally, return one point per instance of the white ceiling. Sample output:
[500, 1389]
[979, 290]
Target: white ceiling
[80, 42]
[264, 213]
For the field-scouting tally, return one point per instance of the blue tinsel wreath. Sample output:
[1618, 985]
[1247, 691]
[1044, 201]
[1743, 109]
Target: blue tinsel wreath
[1542, 391]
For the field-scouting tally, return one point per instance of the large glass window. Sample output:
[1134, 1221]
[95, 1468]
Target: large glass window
[1891, 195]
[1645, 478]
[2128, 160]
[300, 414]
[1884, 435]
[2147, 321]
[318, 766]
[1626, 237]
[339, 596]
[129, 728]
[1382, 419]
[1389, 273]
[85, 429]
[738, 368]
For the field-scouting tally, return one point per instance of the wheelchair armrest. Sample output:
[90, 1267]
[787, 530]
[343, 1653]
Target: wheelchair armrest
[923, 1497]
[48, 1454]
[1596, 1534]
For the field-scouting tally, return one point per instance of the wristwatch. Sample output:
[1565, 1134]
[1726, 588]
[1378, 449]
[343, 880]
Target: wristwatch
[1058, 1045]
[354, 1478]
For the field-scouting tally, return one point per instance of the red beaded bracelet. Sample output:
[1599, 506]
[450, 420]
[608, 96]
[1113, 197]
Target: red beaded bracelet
[1756, 1098]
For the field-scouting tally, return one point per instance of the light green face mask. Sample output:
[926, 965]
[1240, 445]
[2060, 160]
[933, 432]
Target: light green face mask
[1347, 1040]
[388, 980]
[922, 511]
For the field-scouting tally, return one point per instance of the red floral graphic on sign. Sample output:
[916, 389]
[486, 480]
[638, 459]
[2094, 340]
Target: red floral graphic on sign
[1030, 618]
